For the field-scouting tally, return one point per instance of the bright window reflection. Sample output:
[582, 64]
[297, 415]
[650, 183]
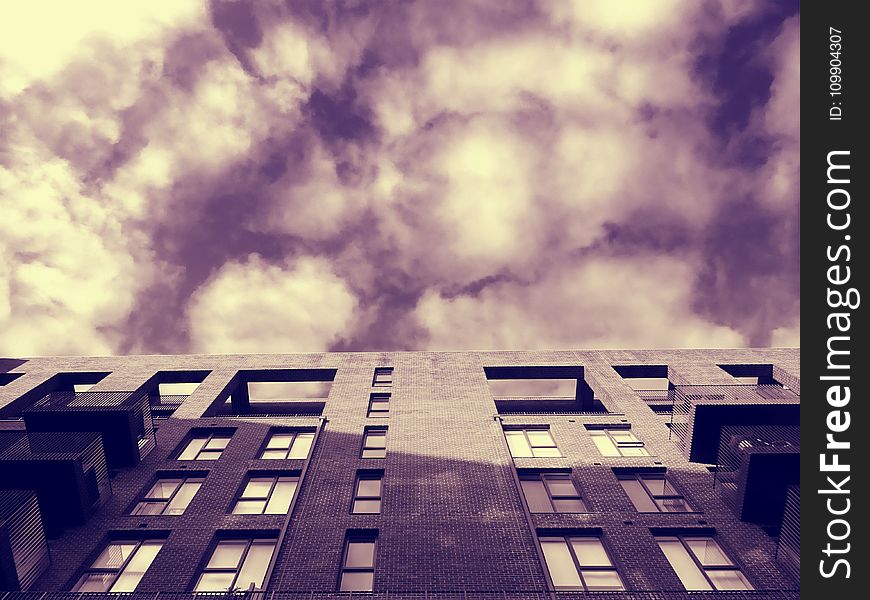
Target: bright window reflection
[169, 496]
[525, 443]
[267, 495]
[579, 563]
[237, 564]
[288, 444]
[119, 567]
[617, 442]
[701, 564]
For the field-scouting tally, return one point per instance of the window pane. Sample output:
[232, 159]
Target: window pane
[673, 505]
[355, 581]
[569, 505]
[360, 554]
[214, 582]
[280, 440]
[149, 508]
[683, 565]
[636, 492]
[94, 582]
[114, 555]
[376, 439]
[659, 486]
[602, 580]
[560, 565]
[367, 506]
[368, 487]
[217, 443]
[708, 552]
[163, 488]
[536, 496]
[226, 554]
[517, 444]
[249, 507]
[256, 563]
[634, 451]
[274, 454]
[135, 569]
[560, 485]
[282, 495]
[192, 449]
[729, 579]
[258, 487]
[546, 452]
[540, 437]
[182, 498]
[603, 443]
[302, 445]
[590, 552]
[622, 436]
[374, 453]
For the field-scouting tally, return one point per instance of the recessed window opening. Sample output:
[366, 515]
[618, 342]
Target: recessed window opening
[544, 389]
[120, 566]
[358, 562]
[236, 565]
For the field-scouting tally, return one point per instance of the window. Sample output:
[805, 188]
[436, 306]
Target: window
[383, 377]
[205, 445]
[374, 443]
[288, 444]
[119, 567]
[536, 443]
[367, 493]
[579, 563]
[168, 496]
[551, 492]
[701, 564]
[617, 442]
[358, 563]
[236, 564]
[267, 495]
[379, 405]
[652, 492]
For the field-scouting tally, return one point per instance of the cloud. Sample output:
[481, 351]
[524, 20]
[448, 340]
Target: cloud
[252, 306]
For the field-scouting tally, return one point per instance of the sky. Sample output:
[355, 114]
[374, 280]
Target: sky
[266, 176]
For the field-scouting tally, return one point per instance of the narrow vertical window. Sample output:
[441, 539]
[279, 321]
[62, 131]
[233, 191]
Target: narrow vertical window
[579, 563]
[236, 564]
[358, 563]
[374, 443]
[168, 496]
[287, 445]
[701, 564]
[379, 405]
[119, 567]
[267, 495]
[531, 442]
[383, 377]
[368, 490]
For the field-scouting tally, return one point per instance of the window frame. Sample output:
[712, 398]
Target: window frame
[379, 398]
[208, 435]
[261, 455]
[682, 537]
[145, 499]
[359, 538]
[138, 542]
[617, 445]
[367, 476]
[640, 476]
[240, 565]
[276, 478]
[379, 432]
[542, 477]
[525, 431]
[378, 377]
[566, 539]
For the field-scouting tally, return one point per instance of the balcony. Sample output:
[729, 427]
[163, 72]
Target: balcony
[23, 548]
[123, 418]
[701, 411]
[67, 470]
[756, 467]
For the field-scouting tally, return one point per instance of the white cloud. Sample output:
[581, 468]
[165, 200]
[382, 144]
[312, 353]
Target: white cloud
[256, 307]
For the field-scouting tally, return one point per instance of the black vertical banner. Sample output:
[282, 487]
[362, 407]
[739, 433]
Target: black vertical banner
[834, 339]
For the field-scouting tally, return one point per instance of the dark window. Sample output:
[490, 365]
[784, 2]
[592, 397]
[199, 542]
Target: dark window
[288, 444]
[701, 564]
[236, 564]
[379, 405]
[551, 492]
[383, 377]
[168, 496]
[358, 563]
[579, 563]
[652, 492]
[119, 567]
[368, 490]
[374, 443]
[267, 495]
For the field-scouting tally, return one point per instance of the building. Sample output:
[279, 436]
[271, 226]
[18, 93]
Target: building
[442, 474]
